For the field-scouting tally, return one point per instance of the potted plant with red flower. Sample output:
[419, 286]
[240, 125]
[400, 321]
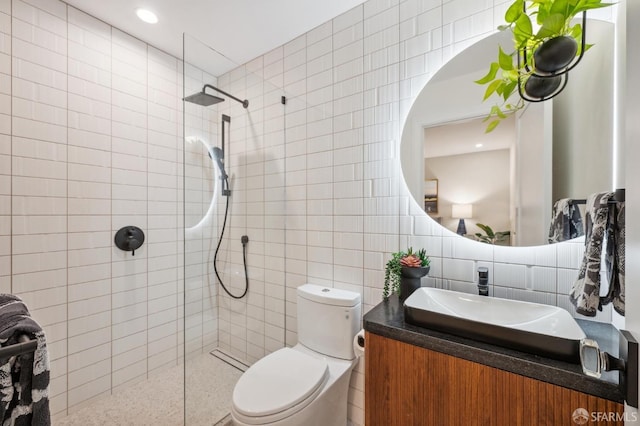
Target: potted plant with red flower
[403, 272]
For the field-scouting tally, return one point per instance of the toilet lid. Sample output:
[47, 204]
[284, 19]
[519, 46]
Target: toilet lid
[279, 381]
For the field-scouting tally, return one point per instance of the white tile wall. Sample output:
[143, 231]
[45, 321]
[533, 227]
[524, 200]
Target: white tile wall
[39, 182]
[363, 70]
[89, 118]
[5, 147]
[164, 132]
[200, 310]
[91, 140]
[255, 326]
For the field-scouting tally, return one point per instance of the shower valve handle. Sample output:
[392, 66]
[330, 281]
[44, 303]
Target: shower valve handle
[129, 238]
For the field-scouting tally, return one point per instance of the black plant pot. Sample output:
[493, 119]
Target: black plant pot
[555, 54]
[410, 280]
[542, 87]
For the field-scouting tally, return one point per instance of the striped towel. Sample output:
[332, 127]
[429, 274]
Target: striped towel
[24, 379]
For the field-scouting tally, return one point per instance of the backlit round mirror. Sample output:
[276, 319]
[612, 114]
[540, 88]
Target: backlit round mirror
[510, 178]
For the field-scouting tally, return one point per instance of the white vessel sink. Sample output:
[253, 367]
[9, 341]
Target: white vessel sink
[530, 327]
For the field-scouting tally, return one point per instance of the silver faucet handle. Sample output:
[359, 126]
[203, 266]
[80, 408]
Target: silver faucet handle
[587, 346]
[603, 360]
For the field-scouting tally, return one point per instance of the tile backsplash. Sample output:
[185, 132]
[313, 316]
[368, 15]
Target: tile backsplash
[91, 139]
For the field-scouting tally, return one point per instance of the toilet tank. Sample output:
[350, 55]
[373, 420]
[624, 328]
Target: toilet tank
[328, 319]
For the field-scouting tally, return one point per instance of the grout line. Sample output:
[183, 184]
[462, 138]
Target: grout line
[362, 163]
[68, 384]
[184, 239]
[11, 289]
[147, 214]
[111, 203]
[333, 154]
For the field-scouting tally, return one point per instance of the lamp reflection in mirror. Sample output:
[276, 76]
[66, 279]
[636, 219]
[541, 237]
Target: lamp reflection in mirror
[462, 212]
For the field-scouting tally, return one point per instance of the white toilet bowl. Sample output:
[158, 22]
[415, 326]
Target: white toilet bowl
[306, 385]
[293, 387]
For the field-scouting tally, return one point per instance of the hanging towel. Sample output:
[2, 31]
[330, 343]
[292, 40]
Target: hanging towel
[585, 294]
[566, 222]
[615, 257]
[24, 379]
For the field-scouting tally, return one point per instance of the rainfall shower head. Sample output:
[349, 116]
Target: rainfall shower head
[204, 99]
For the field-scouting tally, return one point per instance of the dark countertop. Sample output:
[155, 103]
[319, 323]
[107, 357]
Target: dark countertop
[387, 320]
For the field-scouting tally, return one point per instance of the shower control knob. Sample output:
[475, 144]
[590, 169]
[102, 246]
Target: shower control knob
[129, 238]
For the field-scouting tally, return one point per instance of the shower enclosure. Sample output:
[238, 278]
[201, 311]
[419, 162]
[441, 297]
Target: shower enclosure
[223, 334]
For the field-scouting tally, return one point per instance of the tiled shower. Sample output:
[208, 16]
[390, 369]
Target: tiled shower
[93, 137]
[91, 142]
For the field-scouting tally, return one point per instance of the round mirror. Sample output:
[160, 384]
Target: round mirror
[508, 180]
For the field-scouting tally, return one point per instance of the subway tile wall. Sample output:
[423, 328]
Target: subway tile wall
[349, 85]
[251, 327]
[200, 312]
[5, 146]
[200, 315]
[91, 140]
[39, 182]
[89, 281]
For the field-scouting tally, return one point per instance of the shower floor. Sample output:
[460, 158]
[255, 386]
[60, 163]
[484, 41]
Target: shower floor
[159, 401]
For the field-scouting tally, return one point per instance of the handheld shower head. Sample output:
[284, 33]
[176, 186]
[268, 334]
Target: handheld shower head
[216, 154]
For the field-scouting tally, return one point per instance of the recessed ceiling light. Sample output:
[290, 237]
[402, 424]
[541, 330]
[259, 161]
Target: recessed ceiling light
[147, 16]
[478, 145]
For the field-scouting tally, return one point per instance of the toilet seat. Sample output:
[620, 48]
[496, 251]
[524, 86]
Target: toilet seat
[279, 385]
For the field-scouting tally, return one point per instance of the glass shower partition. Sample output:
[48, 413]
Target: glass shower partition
[223, 335]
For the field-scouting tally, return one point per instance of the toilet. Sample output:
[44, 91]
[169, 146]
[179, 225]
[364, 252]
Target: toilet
[308, 383]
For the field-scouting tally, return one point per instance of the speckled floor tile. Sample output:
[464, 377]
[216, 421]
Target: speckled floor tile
[226, 421]
[159, 401]
[209, 387]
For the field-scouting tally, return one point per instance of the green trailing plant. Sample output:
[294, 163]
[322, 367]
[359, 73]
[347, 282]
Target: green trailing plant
[392, 274]
[491, 237]
[553, 18]
[393, 269]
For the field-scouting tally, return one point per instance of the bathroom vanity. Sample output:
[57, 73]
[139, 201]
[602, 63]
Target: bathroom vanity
[417, 376]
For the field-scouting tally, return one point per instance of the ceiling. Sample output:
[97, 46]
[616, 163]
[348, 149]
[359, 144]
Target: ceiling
[238, 30]
[463, 137]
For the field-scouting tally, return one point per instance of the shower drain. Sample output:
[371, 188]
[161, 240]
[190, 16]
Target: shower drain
[228, 359]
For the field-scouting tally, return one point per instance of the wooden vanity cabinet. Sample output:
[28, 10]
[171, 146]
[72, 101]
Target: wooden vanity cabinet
[408, 385]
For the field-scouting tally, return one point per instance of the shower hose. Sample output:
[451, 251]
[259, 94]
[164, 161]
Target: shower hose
[244, 240]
